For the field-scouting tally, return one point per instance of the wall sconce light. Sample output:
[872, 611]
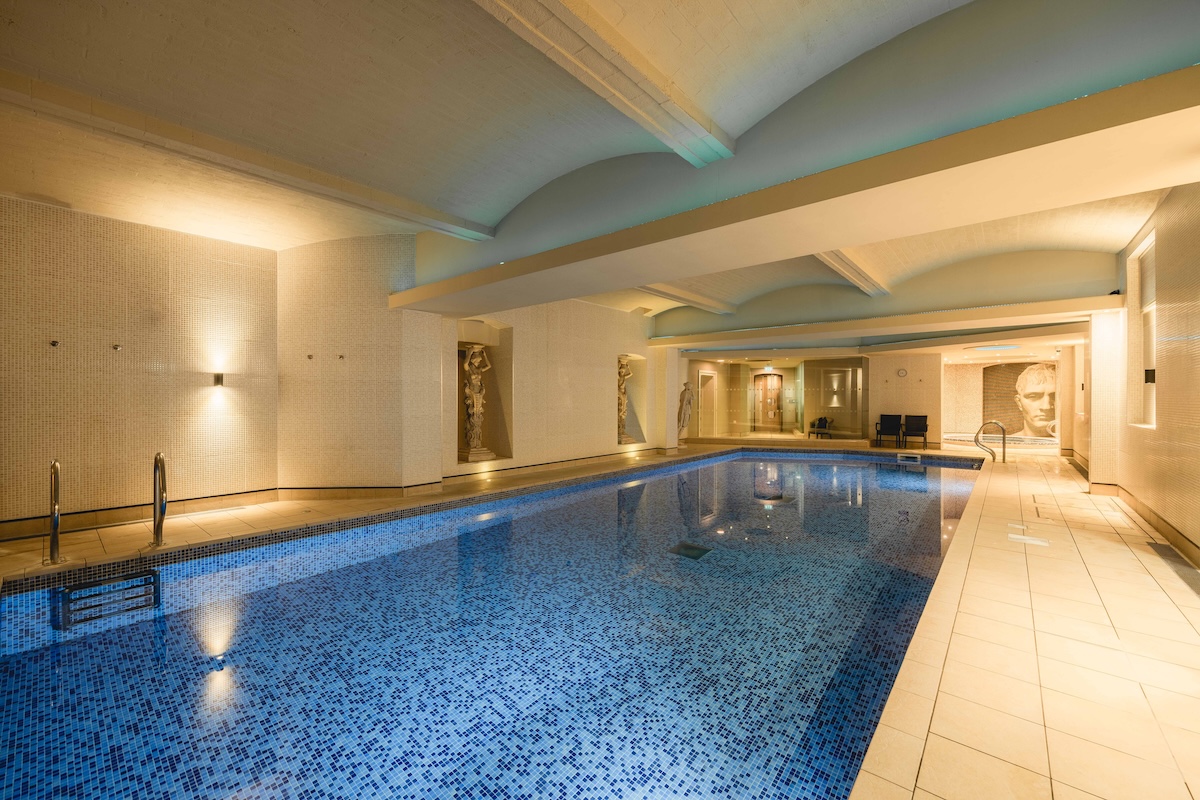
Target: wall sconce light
[218, 379]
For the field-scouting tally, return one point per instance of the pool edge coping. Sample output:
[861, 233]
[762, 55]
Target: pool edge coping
[53, 576]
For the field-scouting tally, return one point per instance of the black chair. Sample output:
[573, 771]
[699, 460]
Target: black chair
[915, 426]
[888, 425]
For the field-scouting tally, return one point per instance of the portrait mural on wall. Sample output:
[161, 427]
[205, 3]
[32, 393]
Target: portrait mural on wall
[1023, 397]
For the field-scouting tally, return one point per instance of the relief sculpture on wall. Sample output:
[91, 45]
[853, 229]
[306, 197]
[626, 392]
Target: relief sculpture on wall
[475, 363]
[1022, 397]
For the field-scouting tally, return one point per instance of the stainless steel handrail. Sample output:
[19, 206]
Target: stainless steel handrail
[55, 516]
[1003, 440]
[160, 497]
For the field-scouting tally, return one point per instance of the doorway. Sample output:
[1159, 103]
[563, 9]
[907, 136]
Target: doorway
[767, 414]
[706, 404]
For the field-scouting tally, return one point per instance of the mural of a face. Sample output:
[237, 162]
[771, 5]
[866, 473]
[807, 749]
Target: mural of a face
[1037, 391]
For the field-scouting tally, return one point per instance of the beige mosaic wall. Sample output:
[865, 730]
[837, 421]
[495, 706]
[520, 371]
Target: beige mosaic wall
[1160, 465]
[1082, 427]
[564, 384]
[180, 307]
[1106, 376]
[962, 398]
[346, 362]
[918, 392]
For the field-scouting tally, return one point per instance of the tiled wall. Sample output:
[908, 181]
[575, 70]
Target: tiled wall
[962, 398]
[324, 385]
[347, 363]
[1160, 465]
[918, 392]
[564, 384]
[1107, 374]
[180, 307]
[1082, 427]
[1067, 400]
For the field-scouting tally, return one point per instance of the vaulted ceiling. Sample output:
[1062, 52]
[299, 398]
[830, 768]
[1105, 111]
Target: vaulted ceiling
[657, 136]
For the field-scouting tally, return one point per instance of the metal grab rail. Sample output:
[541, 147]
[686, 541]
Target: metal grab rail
[55, 516]
[1003, 440]
[160, 498]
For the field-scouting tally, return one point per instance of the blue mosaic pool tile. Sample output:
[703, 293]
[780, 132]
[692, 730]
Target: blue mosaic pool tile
[534, 647]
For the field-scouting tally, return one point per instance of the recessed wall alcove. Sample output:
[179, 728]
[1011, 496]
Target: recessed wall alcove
[635, 399]
[485, 360]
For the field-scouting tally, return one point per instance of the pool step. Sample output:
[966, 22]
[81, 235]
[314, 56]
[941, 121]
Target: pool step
[86, 602]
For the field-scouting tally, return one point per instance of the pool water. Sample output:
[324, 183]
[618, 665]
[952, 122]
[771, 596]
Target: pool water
[548, 647]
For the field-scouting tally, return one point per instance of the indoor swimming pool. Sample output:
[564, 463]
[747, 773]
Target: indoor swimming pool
[724, 628]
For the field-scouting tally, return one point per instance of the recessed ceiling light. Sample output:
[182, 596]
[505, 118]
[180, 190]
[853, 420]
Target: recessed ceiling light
[996, 347]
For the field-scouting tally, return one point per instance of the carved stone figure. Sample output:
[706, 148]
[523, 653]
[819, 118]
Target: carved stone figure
[686, 398]
[1037, 391]
[623, 373]
[475, 363]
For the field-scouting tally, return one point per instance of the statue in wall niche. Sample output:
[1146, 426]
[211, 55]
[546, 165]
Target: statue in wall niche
[475, 363]
[686, 398]
[623, 373]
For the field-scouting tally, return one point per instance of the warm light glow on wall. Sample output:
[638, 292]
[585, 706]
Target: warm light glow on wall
[218, 399]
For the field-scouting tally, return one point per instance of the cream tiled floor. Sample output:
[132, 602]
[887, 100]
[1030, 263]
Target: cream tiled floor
[1069, 669]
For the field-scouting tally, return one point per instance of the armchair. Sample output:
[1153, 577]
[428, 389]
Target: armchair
[888, 425]
[915, 426]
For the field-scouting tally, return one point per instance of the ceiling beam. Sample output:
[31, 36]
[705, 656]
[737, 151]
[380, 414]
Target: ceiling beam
[1055, 333]
[1046, 159]
[956, 322]
[1068, 333]
[843, 265]
[689, 298]
[107, 119]
[577, 38]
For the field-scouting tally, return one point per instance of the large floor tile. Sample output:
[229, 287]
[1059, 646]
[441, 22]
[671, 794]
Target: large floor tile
[990, 731]
[1111, 774]
[956, 772]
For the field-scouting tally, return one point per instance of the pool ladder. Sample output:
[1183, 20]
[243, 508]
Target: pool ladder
[160, 498]
[55, 516]
[160, 506]
[1003, 440]
[93, 600]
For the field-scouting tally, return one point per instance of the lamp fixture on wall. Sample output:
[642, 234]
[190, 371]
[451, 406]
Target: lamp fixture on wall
[218, 379]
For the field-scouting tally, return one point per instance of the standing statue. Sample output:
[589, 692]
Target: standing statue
[623, 373]
[685, 409]
[475, 363]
